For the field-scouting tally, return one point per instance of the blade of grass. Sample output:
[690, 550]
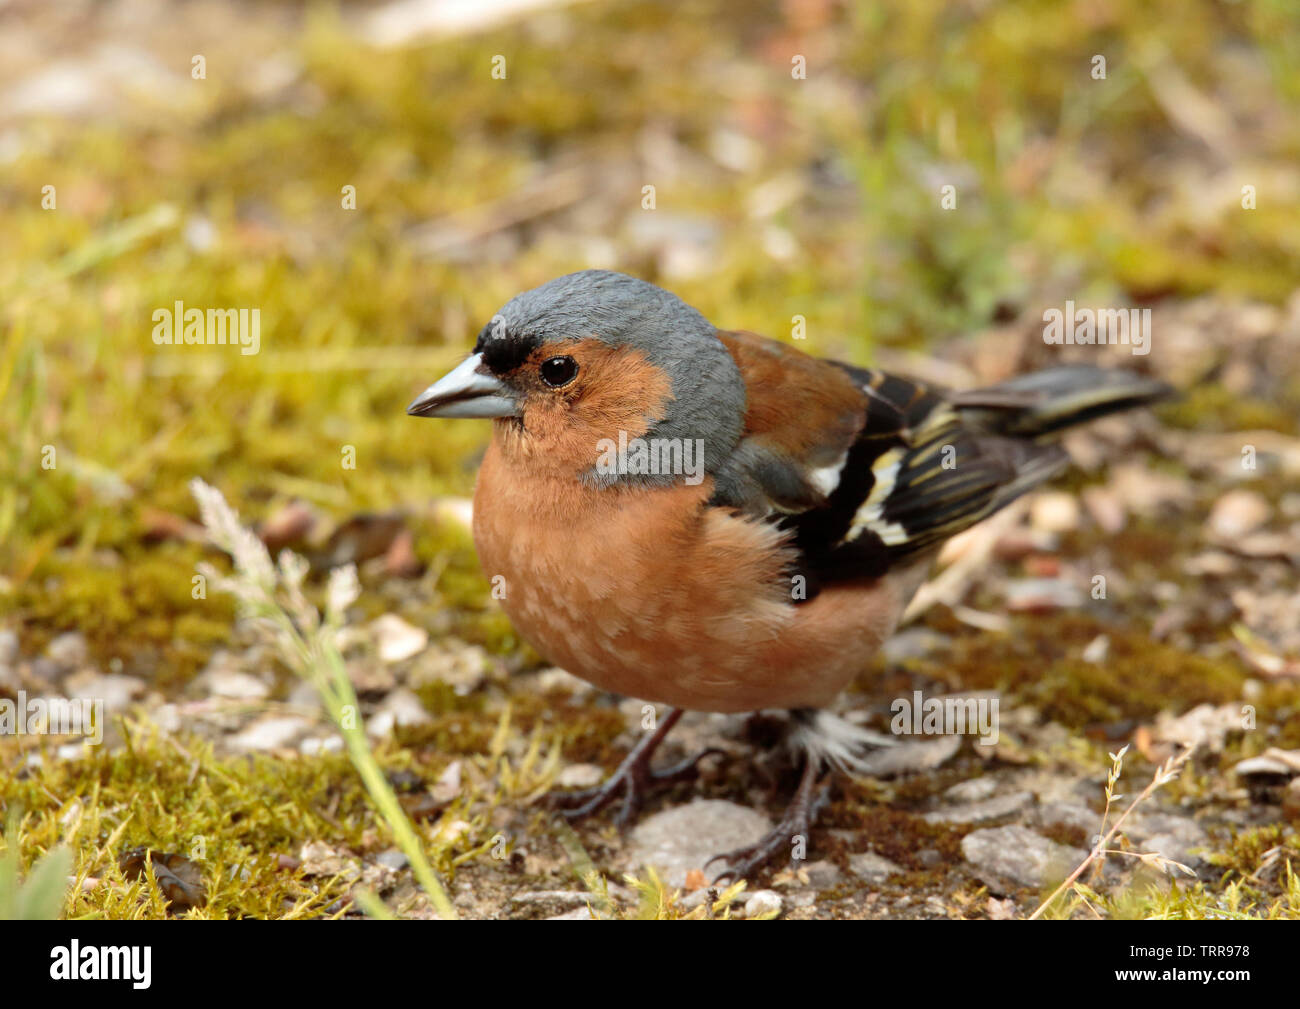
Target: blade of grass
[271, 595]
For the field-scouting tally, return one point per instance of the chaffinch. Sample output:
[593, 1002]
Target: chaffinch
[716, 521]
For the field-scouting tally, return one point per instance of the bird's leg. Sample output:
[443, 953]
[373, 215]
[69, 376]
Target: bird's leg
[634, 777]
[799, 817]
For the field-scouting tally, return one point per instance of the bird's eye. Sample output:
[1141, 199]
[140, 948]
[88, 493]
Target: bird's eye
[558, 371]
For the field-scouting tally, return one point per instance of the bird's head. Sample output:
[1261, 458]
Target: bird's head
[591, 358]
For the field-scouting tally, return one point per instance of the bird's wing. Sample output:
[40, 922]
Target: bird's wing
[863, 468]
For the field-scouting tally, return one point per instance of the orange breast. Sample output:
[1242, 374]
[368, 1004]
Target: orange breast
[651, 594]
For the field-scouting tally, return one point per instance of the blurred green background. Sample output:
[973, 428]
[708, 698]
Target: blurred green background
[775, 195]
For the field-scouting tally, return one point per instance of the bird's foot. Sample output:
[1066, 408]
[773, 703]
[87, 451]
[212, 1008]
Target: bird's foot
[800, 815]
[634, 779]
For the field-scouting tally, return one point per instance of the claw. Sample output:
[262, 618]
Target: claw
[686, 770]
[805, 806]
[634, 778]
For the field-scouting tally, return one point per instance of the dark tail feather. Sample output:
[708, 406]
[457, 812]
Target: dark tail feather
[1044, 402]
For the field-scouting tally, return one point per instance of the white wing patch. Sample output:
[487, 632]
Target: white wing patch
[870, 515]
[922, 443]
[825, 479]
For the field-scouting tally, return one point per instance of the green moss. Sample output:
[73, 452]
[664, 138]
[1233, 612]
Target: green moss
[1261, 879]
[234, 818]
[900, 836]
[1216, 408]
[1038, 665]
[129, 610]
[1248, 848]
[1068, 834]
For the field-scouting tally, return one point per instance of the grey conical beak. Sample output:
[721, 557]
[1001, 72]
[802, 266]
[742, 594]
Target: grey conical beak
[469, 390]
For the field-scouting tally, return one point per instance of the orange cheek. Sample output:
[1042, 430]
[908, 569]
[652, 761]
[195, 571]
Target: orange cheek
[618, 390]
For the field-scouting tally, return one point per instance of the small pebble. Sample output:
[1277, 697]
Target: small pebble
[396, 639]
[270, 733]
[683, 838]
[1016, 855]
[972, 791]
[1237, 513]
[981, 812]
[233, 684]
[116, 691]
[8, 646]
[68, 649]
[822, 874]
[763, 902]
[1041, 595]
[577, 914]
[872, 868]
[580, 776]
[909, 757]
[401, 707]
[1097, 650]
[1054, 512]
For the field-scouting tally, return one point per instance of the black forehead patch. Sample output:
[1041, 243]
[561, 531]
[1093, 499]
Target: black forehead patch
[503, 350]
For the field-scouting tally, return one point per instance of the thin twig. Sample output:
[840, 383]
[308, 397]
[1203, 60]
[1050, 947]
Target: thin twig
[1167, 772]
